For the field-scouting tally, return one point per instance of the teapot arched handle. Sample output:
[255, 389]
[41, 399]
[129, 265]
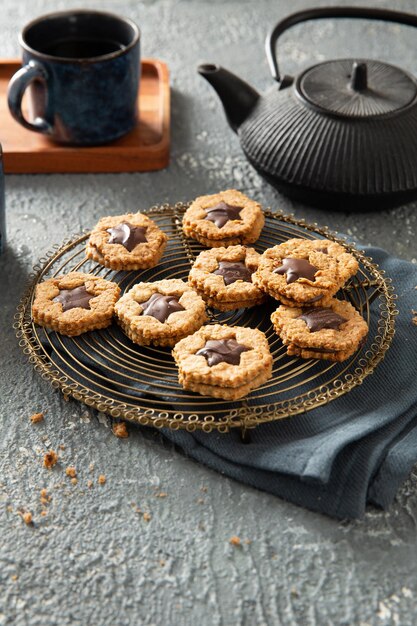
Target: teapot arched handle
[384, 15]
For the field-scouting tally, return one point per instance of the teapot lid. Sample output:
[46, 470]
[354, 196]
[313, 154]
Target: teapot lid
[352, 88]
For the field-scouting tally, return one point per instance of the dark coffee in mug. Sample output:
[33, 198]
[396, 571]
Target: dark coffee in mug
[81, 47]
[81, 71]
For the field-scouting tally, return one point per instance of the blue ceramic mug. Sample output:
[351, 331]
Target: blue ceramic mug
[81, 71]
[2, 209]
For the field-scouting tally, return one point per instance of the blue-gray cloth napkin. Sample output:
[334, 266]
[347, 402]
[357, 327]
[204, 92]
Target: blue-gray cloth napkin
[356, 450]
[335, 459]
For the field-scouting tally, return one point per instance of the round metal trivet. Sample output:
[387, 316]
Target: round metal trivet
[105, 370]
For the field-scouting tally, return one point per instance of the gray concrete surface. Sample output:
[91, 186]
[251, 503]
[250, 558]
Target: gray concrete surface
[94, 559]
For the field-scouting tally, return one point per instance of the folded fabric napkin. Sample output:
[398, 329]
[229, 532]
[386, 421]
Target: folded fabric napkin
[337, 458]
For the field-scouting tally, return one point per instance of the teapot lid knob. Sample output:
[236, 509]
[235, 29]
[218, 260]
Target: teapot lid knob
[359, 78]
[357, 87]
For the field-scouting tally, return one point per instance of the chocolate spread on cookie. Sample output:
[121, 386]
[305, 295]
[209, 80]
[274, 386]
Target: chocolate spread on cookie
[161, 307]
[319, 318]
[316, 299]
[233, 271]
[319, 350]
[127, 235]
[295, 269]
[222, 213]
[73, 298]
[222, 351]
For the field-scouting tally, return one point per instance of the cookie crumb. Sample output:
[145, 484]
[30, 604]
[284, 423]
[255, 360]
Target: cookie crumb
[14, 577]
[101, 479]
[27, 518]
[147, 517]
[161, 562]
[120, 430]
[91, 467]
[200, 501]
[74, 480]
[45, 497]
[235, 541]
[61, 446]
[248, 542]
[89, 483]
[414, 318]
[50, 459]
[71, 471]
[36, 418]
[161, 494]
[203, 489]
[44, 512]
[294, 592]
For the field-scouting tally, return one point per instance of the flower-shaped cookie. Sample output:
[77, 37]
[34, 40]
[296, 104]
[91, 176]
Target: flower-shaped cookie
[333, 332]
[223, 219]
[223, 361]
[223, 277]
[75, 303]
[160, 313]
[126, 242]
[304, 271]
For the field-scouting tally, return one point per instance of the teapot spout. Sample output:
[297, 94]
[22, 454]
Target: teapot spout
[238, 98]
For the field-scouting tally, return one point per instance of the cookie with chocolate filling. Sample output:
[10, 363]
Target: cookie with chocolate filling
[304, 271]
[223, 361]
[223, 277]
[126, 242]
[333, 332]
[75, 303]
[223, 219]
[160, 313]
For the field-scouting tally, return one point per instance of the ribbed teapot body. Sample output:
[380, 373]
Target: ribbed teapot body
[299, 146]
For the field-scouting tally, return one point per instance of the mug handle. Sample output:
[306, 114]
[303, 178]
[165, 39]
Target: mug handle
[17, 87]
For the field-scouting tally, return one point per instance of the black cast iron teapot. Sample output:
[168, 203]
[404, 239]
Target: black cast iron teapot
[343, 134]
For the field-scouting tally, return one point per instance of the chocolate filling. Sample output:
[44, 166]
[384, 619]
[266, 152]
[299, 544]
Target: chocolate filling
[127, 235]
[222, 351]
[74, 298]
[321, 350]
[161, 307]
[316, 299]
[319, 318]
[222, 213]
[233, 271]
[295, 269]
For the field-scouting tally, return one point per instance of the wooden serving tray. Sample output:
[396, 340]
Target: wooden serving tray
[145, 148]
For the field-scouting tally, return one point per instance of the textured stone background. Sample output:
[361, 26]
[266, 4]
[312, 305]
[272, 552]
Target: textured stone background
[93, 559]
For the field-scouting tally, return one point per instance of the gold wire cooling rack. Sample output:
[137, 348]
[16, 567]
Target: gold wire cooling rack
[105, 370]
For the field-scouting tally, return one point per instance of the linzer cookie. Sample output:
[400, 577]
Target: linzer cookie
[160, 313]
[223, 277]
[333, 332]
[126, 242]
[75, 303]
[304, 272]
[223, 361]
[224, 219]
